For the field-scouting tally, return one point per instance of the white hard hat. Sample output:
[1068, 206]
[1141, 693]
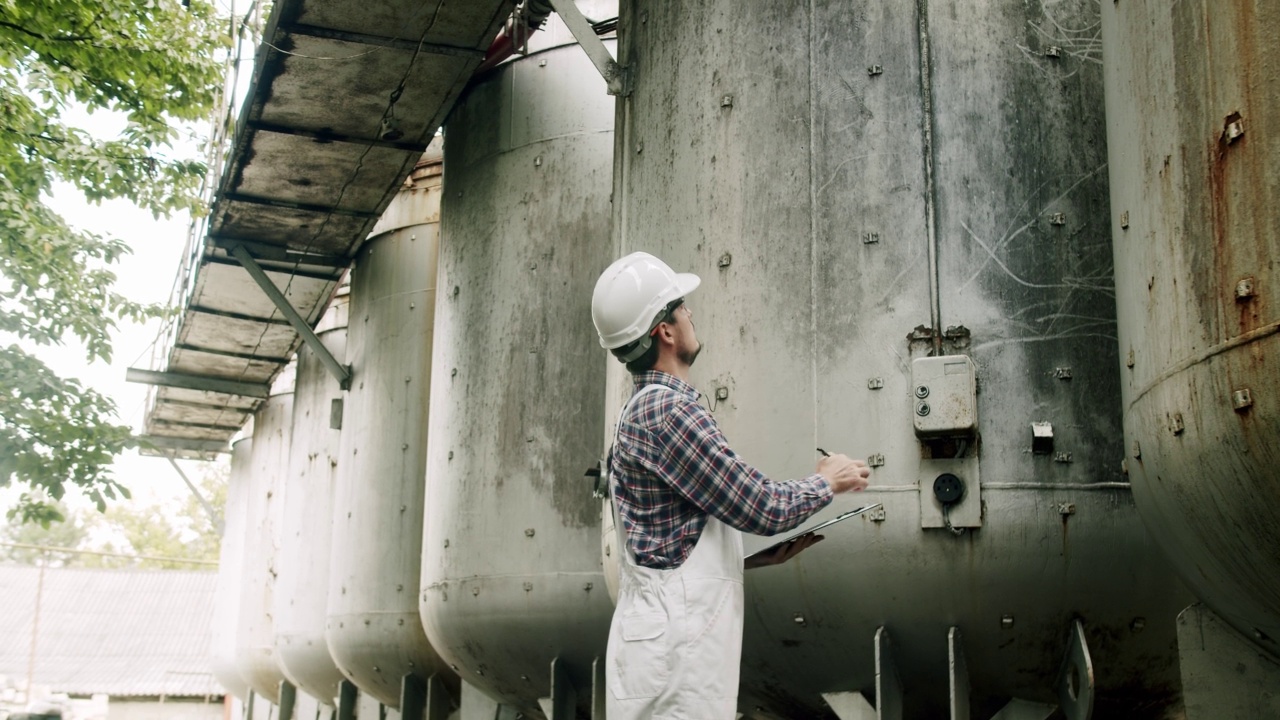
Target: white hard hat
[630, 296]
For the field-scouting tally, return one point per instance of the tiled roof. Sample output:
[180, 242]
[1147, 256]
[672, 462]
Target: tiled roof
[119, 632]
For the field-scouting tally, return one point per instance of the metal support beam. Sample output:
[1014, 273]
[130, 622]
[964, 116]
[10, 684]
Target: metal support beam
[614, 74]
[598, 689]
[208, 509]
[1019, 709]
[347, 699]
[959, 673]
[197, 382]
[1075, 681]
[280, 253]
[437, 699]
[338, 370]
[888, 686]
[850, 706]
[413, 698]
[164, 443]
[288, 698]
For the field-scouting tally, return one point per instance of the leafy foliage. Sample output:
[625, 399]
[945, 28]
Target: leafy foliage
[154, 64]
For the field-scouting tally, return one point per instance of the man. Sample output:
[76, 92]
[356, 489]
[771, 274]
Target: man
[681, 497]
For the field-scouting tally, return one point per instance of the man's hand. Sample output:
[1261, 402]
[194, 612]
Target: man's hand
[783, 552]
[844, 473]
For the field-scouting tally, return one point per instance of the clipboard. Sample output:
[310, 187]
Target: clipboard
[841, 517]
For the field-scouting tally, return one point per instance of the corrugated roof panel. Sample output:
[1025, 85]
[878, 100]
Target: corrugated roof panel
[119, 632]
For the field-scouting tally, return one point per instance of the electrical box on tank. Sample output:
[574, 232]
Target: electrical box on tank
[946, 396]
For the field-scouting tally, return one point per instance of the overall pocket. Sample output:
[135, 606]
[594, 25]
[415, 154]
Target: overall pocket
[639, 652]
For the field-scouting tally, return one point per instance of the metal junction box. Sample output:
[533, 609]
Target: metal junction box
[945, 394]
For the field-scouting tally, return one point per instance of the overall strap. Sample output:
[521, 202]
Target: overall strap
[620, 532]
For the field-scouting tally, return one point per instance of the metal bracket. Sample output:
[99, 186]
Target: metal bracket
[888, 686]
[959, 672]
[563, 703]
[337, 369]
[288, 698]
[413, 698]
[850, 706]
[347, 699]
[1075, 681]
[597, 689]
[615, 76]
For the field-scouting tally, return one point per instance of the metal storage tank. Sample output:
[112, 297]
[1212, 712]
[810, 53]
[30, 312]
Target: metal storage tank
[268, 465]
[373, 629]
[511, 572]
[302, 582]
[863, 186]
[1193, 113]
[230, 570]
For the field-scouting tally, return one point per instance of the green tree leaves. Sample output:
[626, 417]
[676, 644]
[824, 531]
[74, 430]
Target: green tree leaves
[154, 64]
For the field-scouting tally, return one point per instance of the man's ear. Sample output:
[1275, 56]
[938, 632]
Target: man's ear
[665, 335]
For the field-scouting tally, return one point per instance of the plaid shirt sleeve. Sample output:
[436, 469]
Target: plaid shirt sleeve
[700, 466]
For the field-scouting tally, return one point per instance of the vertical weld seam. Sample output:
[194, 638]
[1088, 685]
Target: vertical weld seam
[930, 188]
[813, 223]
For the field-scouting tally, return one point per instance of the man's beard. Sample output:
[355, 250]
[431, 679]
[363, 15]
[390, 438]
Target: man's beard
[688, 356]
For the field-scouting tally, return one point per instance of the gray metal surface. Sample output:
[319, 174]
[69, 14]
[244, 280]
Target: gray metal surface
[511, 577]
[119, 632]
[314, 163]
[1193, 104]
[302, 574]
[269, 464]
[1225, 675]
[373, 630]
[226, 612]
[854, 182]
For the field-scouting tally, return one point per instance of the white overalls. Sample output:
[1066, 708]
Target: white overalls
[676, 638]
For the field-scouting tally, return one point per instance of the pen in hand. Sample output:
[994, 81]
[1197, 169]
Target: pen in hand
[824, 452]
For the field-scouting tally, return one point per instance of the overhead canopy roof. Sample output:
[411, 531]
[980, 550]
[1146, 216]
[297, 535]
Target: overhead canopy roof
[345, 98]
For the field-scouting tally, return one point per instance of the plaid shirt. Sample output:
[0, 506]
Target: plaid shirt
[672, 467]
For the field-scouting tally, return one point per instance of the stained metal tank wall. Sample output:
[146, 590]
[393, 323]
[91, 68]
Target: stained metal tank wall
[511, 576]
[1193, 117]
[302, 580]
[861, 184]
[226, 612]
[268, 466]
[373, 629]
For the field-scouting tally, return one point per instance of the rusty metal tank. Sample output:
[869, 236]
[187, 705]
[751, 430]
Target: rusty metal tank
[511, 572]
[373, 629]
[302, 580]
[898, 208]
[268, 466]
[226, 611]
[1193, 113]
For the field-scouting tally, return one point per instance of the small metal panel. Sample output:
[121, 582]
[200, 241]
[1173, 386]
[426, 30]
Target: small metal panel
[944, 396]
[195, 362]
[306, 228]
[182, 413]
[964, 513]
[202, 397]
[1191, 129]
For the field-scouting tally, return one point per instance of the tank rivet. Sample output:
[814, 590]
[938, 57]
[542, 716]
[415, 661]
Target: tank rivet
[407, 378]
[1062, 373]
[875, 383]
[542, 63]
[1259, 634]
[725, 260]
[454, 373]
[528, 587]
[722, 393]
[456, 289]
[1177, 425]
[1053, 51]
[450, 454]
[1006, 621]
[446, 542]
[454, 668]
[799, 619]
[922, 408]
[876, 460]
[1124, 220]
[870, 238]
[588, 587]
[1138, 624]
[1244, 289]
[400, 621]
[403, 508]
[537, 161]
[875, 70]
[366, 623]
[726, 101]
[1234, 128]
[922, 391]
[405, 446]
[524, 678]
[1058, 219]
[376, 669]
[1242, 399]
[399, 588]
[1129, 360]
[1137, 449]
[639, 147]
[480, 672]
[529, 532]
[1066, 508]
[608, 550]
[475, 592]
[1062, 457]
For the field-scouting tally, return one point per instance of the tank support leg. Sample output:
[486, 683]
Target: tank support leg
[597, 689]
[413, 698]
[288, 698]
[563, 702]
[1075, 681]
[478, 706]
[347, 700]
[958, 670]
[1224, 675]
[888, 686]
[1025, 710]
[850, 706]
